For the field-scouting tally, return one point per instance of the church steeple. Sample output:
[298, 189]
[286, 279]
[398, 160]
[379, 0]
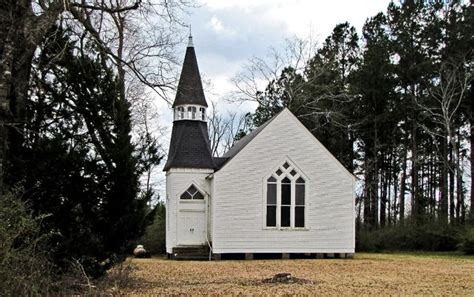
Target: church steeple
[190, 86]
[190, 146]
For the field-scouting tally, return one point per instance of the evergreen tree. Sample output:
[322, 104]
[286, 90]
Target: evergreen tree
[80, 163]
[376, 113]
[329, 76]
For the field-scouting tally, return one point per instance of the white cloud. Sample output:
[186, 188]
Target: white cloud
[300, 17]
[218, 27]
[216, 24]
[233, 4]
[233, 31]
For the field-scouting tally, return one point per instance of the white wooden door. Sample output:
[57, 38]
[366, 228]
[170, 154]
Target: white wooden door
[192, 227]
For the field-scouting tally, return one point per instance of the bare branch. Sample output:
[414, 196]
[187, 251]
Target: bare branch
[105, 8]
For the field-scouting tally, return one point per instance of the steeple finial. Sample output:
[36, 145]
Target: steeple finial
[190, 41]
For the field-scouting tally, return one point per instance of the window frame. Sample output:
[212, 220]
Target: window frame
[192, 200]
[293, 178]
[202, 112]
[192, 112]
[180, 113]
[267, 205]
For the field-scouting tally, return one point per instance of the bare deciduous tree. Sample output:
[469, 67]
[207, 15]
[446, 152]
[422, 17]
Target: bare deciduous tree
[446, 96]
[223, 129]
[259, 72]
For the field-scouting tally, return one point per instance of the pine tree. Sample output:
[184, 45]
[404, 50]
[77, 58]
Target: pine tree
[375, 114]
[80, 163]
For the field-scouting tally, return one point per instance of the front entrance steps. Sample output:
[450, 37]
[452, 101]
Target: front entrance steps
[190, 252]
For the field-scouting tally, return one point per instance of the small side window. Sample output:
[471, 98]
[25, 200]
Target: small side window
[203, 113]
[180, 113]
[189, 111]
[192, 112]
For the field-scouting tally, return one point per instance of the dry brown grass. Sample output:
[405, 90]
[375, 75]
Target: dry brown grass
[367, 274]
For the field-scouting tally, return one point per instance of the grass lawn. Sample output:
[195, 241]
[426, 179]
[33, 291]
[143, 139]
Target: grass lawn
[393, 274]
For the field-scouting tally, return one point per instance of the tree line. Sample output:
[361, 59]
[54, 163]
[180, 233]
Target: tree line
[395, 105]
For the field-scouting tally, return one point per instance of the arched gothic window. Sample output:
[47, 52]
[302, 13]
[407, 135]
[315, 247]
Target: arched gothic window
[285, 198]
[192, 193]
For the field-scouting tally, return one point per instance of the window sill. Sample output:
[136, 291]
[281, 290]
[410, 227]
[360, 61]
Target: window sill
[285, 229]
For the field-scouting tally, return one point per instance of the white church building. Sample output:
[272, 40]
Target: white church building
[277, 191]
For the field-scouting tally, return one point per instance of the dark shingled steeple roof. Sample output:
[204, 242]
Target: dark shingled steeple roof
[190, 146]
[190, 85]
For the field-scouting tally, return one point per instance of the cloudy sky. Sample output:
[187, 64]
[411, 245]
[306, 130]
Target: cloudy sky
[227, 33]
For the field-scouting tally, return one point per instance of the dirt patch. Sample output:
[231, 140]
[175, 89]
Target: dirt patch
[285, 278]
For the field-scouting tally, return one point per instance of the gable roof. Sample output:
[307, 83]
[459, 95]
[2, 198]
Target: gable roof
[239, 145]
[219, 161]
[242, 143]
[190, 86]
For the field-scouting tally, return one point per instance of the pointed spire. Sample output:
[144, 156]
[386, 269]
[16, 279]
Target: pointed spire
[190, 86]
[190, 41]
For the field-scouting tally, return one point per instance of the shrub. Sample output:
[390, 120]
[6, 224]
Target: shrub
[24, 265]
[409, 237]
[154, 239]
[467, 244]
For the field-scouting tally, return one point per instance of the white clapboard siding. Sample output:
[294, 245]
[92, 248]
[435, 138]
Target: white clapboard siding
[238, 202]
[178, 181]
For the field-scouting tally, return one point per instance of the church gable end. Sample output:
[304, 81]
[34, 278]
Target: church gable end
[291, 194]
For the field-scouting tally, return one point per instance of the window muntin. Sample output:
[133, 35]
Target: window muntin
[192, 193]
[285, 198]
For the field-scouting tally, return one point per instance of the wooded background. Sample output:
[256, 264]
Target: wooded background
[394, 105]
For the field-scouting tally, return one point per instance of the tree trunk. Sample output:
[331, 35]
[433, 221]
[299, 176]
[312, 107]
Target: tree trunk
[383, 190]
[403, 185]
[451, 184]
[396, 206]
[443, 183]
[368, 193]
[390, 180]
[414, 175]
[459, 185]
[472, 147]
